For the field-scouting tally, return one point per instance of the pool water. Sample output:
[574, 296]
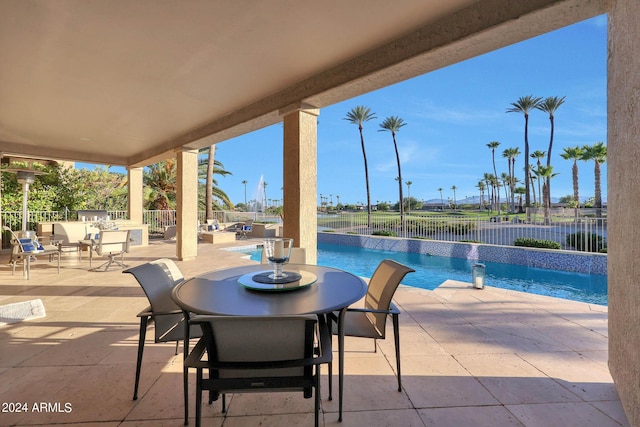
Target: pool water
[431, 271]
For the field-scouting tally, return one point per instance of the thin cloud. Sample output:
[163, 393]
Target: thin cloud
[462, 115]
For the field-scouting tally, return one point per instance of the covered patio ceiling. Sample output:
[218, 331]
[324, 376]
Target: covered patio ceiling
[129, 83]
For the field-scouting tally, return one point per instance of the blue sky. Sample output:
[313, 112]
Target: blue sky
[451, 115]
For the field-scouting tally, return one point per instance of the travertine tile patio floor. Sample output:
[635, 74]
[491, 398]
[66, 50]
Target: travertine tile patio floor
[469, 357]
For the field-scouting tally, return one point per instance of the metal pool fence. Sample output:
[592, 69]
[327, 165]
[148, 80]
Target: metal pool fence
[588, 234]
[583, 233]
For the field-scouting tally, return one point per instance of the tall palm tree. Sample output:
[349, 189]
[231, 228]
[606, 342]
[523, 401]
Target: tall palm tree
[575, 154]
[549, 105]
[393, 124]
[524, 105]
[441, 198]
[538, 155]
[244, 182]
[545, 173]
[455, 203]
[207, 168]
[208, 199]
[358, 116]
[480, 186]
[598, 153]
[520, 191]
[409, 193]
[506, 183]
[488, 178]
[510, 154]
[493, 145]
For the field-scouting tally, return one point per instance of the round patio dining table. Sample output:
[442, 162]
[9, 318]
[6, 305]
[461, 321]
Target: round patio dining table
[232, 292]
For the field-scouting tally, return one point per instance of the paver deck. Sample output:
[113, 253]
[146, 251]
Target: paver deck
[469, 357]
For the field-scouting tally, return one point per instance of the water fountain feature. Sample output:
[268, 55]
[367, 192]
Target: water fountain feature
[260, 197]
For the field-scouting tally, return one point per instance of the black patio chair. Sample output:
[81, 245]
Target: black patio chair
[157, 279]
[259, 354]
[370, 321]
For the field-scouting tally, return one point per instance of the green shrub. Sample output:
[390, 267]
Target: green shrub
[590, 242]
[461, 228]
[387, 233]
[536, 243]
[470, 241]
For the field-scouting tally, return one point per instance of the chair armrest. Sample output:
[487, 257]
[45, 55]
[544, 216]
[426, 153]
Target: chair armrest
[148, 312]
[194, 359]
[325, 352]
[392, 310]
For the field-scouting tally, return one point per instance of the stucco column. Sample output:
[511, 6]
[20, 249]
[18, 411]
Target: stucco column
[300, 179]
[623, 156]
[135, 194]
[187, 205]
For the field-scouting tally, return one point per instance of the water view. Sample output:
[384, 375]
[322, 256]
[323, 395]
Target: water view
[431, 271]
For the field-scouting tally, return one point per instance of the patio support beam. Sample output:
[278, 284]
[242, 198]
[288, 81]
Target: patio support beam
[135, 198]
[300, 178]
[623, 154]
[187, 205]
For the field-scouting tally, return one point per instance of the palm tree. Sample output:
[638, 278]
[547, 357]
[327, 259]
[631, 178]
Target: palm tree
[574, 153]
[538, 155]
[207, 168]
[393, 124]
[409, 193]
[520, 191]
[493, 145]
[244, 182]
[545, 173]
[550, 105]
[533, 177]
[160, 185]
[510, 154]
[358, 116]
[264, 196]
[598, 153]
[441, 198]
[455, 203]
[488, 178]
[208, 199]
[506, 183]
[480, 186]
[524, 105]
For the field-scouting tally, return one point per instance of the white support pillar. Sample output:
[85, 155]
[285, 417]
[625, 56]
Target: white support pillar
[135, 198]
[300, 178]
[187, 205]
[623, 156]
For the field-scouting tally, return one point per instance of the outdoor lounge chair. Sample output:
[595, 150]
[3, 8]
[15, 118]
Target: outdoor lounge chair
[259, 354]
[370, 321]
[157, 279]
[25, 249]
[113, 244]
[246, 228]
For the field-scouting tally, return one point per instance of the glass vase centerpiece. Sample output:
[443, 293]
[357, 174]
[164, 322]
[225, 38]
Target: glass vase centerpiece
[278, 252]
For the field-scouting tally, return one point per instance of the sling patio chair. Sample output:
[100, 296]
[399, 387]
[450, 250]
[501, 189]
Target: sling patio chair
[113, 244]
[370, 321]
[157, 279]
[246, 228]
[26, 249]
[259, 354]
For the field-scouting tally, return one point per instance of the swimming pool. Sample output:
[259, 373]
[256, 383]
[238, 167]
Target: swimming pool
[431, 271]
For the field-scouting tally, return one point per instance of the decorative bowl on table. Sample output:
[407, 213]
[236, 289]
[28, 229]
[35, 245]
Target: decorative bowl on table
[278, 252]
